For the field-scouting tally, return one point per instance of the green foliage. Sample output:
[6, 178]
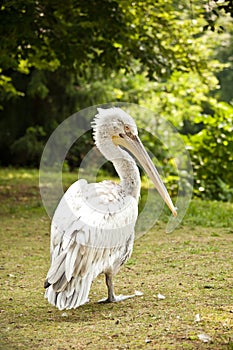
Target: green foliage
[213, 12]
[37, 86]
[28, 149]
[56, 60]
[224, 53]
[7, 89]
[48, 35]
[212, 154]
[78, 37]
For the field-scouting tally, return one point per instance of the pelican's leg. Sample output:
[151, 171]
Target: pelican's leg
[111, 296]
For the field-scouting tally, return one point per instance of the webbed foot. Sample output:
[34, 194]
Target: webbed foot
[117, 298]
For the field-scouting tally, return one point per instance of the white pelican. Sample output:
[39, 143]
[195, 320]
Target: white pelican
[92, 230]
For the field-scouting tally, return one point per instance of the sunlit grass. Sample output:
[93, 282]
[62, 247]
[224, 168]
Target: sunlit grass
[20, 191]
[18, 175]
[192, 268]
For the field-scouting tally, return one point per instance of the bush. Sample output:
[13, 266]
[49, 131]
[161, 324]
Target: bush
[27, 150]
[211, 152]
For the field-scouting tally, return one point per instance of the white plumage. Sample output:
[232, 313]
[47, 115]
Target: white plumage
[92, 230]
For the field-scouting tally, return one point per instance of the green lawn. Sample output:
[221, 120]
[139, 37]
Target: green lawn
[192, 268]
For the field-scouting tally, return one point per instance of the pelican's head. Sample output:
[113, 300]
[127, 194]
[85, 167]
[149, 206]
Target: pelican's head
[114, 123]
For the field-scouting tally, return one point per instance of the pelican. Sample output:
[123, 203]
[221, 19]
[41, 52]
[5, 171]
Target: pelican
[92, 230]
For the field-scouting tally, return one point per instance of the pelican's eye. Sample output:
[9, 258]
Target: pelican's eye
[127, 129]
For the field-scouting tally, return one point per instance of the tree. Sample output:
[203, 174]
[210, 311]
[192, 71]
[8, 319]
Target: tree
[48, 35]
[224, 54]
[58, 58]
[214, 10]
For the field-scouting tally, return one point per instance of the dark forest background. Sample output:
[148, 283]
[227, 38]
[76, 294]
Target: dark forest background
[173, 57]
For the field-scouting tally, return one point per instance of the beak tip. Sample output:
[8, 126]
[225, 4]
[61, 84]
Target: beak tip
[174, 212]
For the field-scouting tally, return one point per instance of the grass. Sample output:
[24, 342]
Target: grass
[192, 268]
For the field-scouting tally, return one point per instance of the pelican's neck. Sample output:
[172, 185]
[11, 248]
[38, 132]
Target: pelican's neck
[125, 167]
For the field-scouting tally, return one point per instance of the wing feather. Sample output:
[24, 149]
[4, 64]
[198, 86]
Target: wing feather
[57, 268]
[89, 233]
[61, 284]
[71, 257]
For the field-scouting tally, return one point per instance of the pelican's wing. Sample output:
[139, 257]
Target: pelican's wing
[92, 232]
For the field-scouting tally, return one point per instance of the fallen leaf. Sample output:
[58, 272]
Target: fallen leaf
[204, 337]
[138, 293]
[197, 318]
[160, 296]
[147, 340]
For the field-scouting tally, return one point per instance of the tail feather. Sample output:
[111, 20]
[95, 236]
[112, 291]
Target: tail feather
[46, 283]
[57, 268]
[75, 294]
[71, 258]
[61, 284]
